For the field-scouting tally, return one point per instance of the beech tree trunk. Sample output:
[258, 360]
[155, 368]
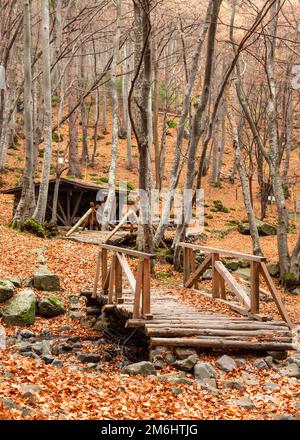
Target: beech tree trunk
[177, 158]
[109, 204]
[197, 129]
[26, 204]
[40, 210]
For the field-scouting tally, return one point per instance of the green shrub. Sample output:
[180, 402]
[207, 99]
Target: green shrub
[219, 207]
[171, 123]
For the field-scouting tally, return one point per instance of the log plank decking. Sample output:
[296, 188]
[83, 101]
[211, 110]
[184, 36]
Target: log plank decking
[168, 320]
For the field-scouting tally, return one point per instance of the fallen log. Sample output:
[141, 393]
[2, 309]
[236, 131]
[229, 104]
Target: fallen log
[219, 343]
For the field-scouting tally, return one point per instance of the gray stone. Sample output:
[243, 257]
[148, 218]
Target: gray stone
[233, 385]
[184, 352]
[176, 391]
[45, 280]
[271, 386]
[207, 275]
[89, 357]
[26, 334]
[273, 268]
[6, 290]
[50, 306]
[260, 364]
[244, 402]
[269, 361]
[28, 282]
[203, 370]
[170, 359]
[285, 417]
[30, 388]
[295, 291]
[294, 359]
[143, 368]
[77, 316]
[291, 370]
[11, 405]
[208, 385]
[23, 347]
[48, 359]
[170, 377]
[37, 348]
[91, 366]
[232, 264]
[226, 363]
[186, 364]
[278, 355]
[252, 382]
[296, 405]
[158, 364]
[57, 363]
[182, 381]
[244, 273]
[16, 281]
[20, 310]
[240, 362]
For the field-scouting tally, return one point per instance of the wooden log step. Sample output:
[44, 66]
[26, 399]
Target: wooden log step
[174, 332]
[257, 325]
[221, 344]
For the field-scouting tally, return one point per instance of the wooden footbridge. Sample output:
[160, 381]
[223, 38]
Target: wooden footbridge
[167, 320]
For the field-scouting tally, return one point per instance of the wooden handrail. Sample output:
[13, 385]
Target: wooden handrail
[211, 250]
[121, 250]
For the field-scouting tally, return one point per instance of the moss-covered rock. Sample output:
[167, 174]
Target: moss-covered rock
[45, 280]
[21, 309]
[35, 228]
[50, 306]
[6, 290]
[264, 229]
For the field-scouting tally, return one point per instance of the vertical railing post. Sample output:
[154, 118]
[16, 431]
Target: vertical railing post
[96, 280]
[118, 279]
[186, 264]
[146, 306]
[112, 279]
[138, 288]
[104, 269]
[215, 277]
[254, 278]
[193, 265]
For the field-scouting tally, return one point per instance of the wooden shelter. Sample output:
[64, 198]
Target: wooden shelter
[74, 199]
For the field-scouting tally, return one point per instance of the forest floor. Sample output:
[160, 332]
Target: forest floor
[72, 392]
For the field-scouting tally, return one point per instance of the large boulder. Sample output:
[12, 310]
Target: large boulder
[20, 310]
[50, 306]
[43, 279]
[143, 368]
[273, 268]
[262, 227]
[6, 290]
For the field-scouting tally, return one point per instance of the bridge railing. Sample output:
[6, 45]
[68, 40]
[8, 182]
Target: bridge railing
[221, 275]
[112, 278]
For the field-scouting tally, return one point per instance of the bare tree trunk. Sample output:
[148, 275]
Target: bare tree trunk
[175, 170]
[247, 200]
[197, 128]
[141, 86]
[40, 210]
[115, 128]
[27, 202]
